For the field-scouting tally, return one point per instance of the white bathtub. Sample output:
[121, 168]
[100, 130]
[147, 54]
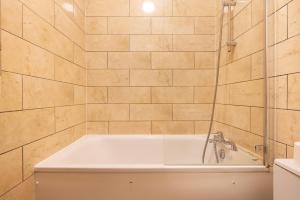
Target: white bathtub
[148, 168]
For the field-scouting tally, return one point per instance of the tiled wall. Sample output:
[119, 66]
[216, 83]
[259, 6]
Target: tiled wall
[146, 73]
[284, 72]
[42, 86]
[240, 102]
[150, 73]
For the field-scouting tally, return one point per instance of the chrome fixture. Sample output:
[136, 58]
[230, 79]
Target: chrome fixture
[230, 42]
[228, 3]
[219, 139]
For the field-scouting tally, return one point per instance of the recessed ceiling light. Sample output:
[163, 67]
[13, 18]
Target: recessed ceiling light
[148, 7]
[68, 7]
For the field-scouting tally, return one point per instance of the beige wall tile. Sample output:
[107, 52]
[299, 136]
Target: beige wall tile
[270, 69]
[205, 25]
[290, 152]
[229, 116]
[271, 6]
[280, 30]
[173, 25]
[191, 111]
[39, 120]
[223, 94]
[150, 42]
[288, 127]
[134, 60]
[193, 77]
[10, 170]
[129, 25]
[242, 21]
[41, 149]
[203, 94]
[257, 63]
[76, 74]
[68, 116]
[277, 150]
[79, 94]
[293, 18]
[39, 93]
[294, 91]
[67, 26]
[162, 8]
[257, 11]
[39, 32]
[257, 120]
[249, 93]
[107, 112]
[193, 42]
[67, 9]
[271, 32]
[107, 42]
[10, 92]
[79, 56]
[194, 8]
[79, 16]
[29, 59]
[279, 3]
[246, 45]
[96, 25]
[107, 8]
[287, 56]
[172, 60]
[108, 77]
[96, 95]
[44, 8]
[278, 91]
[81, 4]
[96, 60]
[129, 95]
[150, 78]
[23, 191]
[11, 16]
[201, 127]
[173, 127]
[172, 94]
[97, 128]
[150, 112]
[205, 60]
[238, 71]
[130, 127]
[249, 144]
[79, 131]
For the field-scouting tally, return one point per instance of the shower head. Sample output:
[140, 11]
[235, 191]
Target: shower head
[229, 2]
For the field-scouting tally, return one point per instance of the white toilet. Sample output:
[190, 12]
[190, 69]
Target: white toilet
[287, 177]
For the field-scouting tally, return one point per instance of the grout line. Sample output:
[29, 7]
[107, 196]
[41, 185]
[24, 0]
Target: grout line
[22, 77]
[33, 141]
[40, 47]
[52, 25]
[53, 80]
[22, 19]
[22, 152]
[287, 91]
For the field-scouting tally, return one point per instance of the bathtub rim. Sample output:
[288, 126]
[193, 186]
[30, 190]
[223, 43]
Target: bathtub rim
[156, 169]
[59, 167]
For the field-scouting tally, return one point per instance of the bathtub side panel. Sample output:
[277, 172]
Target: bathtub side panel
[158, 186]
